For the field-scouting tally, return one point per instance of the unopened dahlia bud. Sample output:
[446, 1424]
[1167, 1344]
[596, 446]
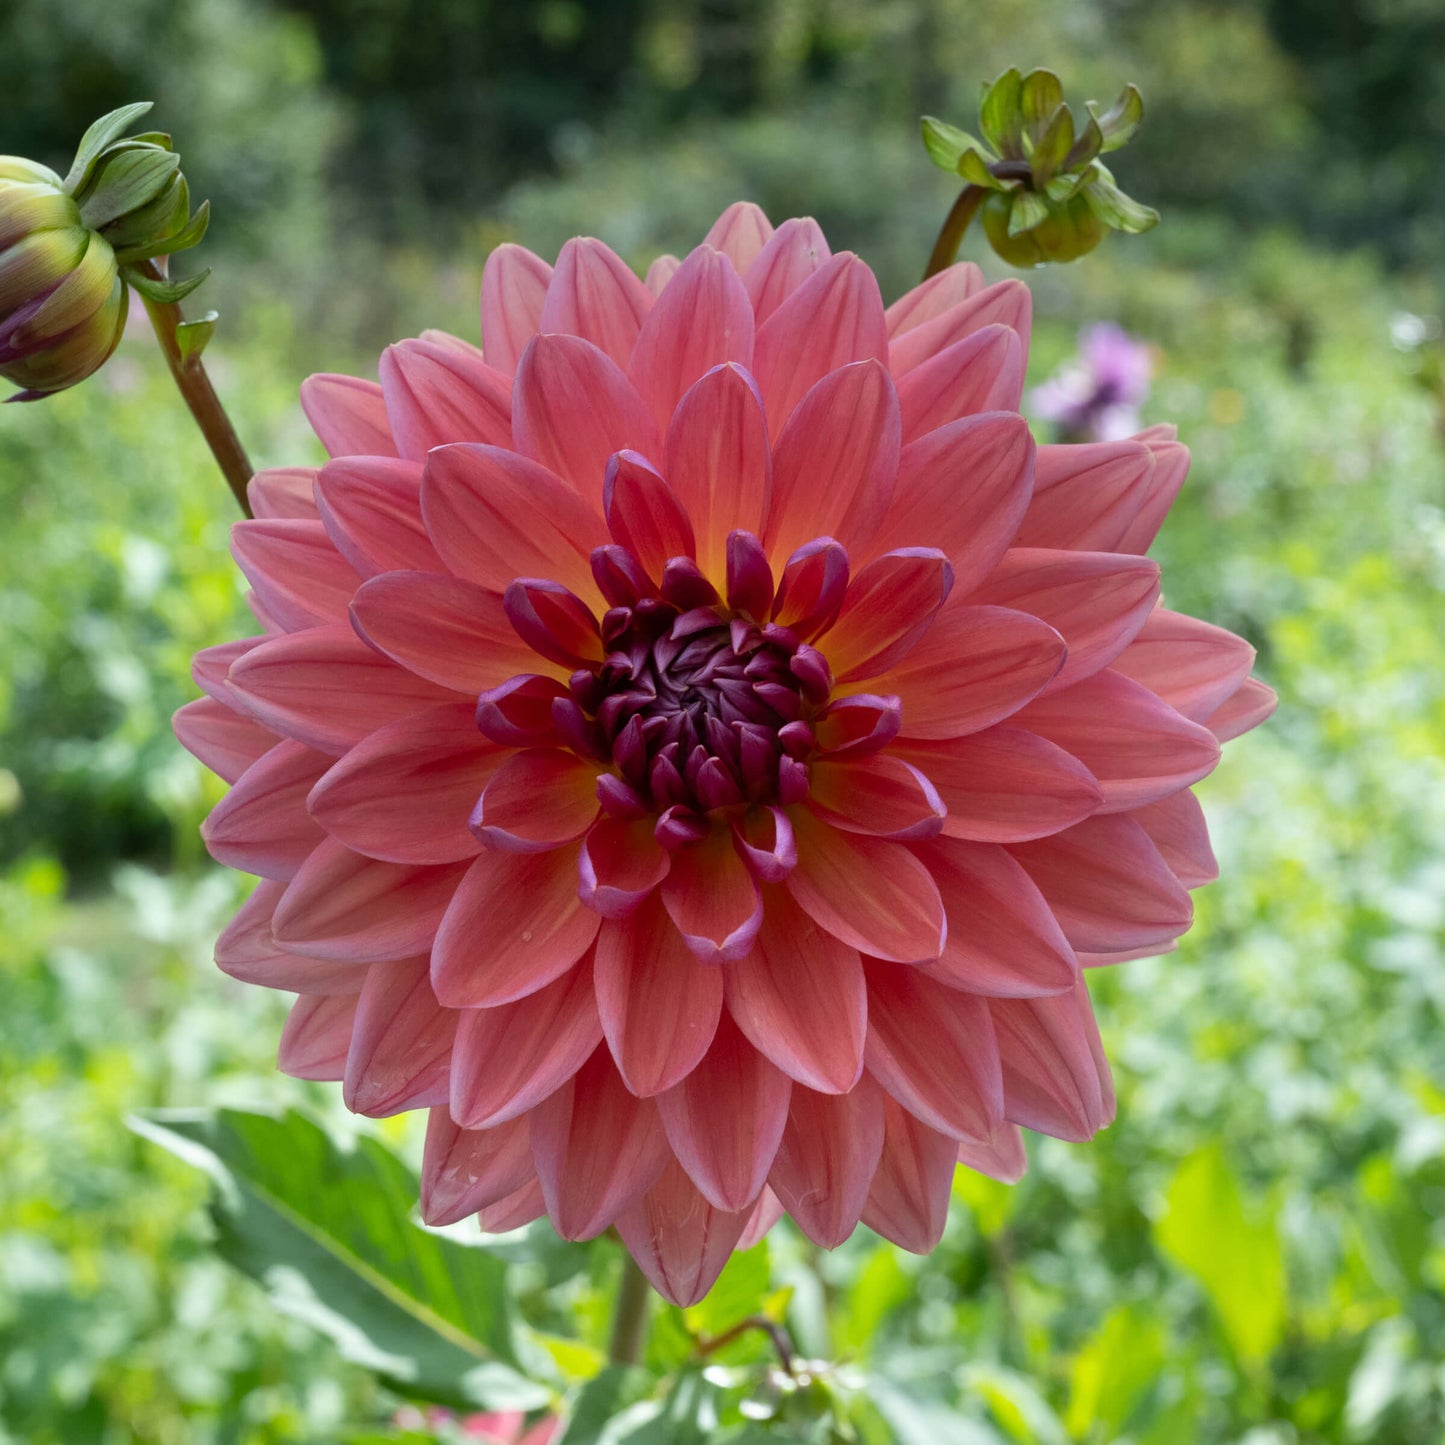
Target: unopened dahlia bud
[69, 248]
[1049, 196]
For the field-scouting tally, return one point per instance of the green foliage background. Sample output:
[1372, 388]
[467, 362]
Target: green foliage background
[1254, 1252]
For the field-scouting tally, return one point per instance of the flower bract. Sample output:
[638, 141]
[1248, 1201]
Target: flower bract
[697, 745]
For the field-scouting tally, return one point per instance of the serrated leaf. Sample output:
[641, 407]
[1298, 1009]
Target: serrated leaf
[1122, 119]
[1028, 209]
[946, 144]
[99, 135]
[1115, 209]
[999, 117]
[328, 1231]
[164, 293]
[192, 337]
[126, 182]
[1051, 151]
[1040, 96]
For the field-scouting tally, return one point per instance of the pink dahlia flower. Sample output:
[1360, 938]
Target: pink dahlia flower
[697, 742]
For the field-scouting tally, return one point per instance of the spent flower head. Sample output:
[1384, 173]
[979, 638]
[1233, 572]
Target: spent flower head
[70, 247]
[1049, 196]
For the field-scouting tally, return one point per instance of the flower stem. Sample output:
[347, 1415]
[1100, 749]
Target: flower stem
[195, 387]
[629, 1318]
[955, 223]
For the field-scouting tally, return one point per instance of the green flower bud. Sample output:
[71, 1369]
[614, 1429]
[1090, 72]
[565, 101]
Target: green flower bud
[70, 248]
[1048, 196]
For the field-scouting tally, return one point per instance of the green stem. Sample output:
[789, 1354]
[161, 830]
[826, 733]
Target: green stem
[629, 1318]
[955, 223]
[196, 389]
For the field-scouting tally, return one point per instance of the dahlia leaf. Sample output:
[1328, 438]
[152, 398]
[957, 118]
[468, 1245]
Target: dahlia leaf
[328, 1231]
[600, 1400]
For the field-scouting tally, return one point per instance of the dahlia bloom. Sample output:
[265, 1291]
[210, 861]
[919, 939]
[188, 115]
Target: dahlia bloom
[697, 743]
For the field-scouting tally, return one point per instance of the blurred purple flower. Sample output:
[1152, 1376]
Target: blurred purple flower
[1095, 397]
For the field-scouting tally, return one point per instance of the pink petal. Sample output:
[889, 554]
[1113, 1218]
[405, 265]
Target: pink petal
[621, 863]
[1107, 885]
[1192, 665]
[325, 687]
[1085, 497]
[868, 892]
[712, 898]
[974, 667]
[1006, 303]
[740, 233]
[1055, 1078]
[877, 794]
[261, 825]
[299, 577]
[787, 258]
[598, 1149]
[835, 462]
[513, 1211]
[765, 1214]
[495, 516]
[662, 270]
[724, 1120]
[537, 800]
[833, 319]
[799, 996]
[283, 492]
[437, 393]
[826, 1161]
[1003, 785]
[593, 294]
[401, 1042]
[932, 1048]
[1002, 1158]
[1178, 829]
[1171, 465]
[1003, 939]
[316, 1037]
[348, 414]
[372, 510]
[1097, 601]
[211, 667]
[247, 950]
[982, 373]
[554, 622]
[453, 633]
[719, 463]
[644, 514]
[345, 907]
[464, 1170]
[889, 606]
[224, 740]
[702, 320]
[510, 1057]
[659, 1004]
[1138, 747]
[908, 1199]
[1242, 710]
[406, 793]
[679, 1240]
[514, 925]
[764, 838]
[514, 287]
[572, 407]
[934, 296]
